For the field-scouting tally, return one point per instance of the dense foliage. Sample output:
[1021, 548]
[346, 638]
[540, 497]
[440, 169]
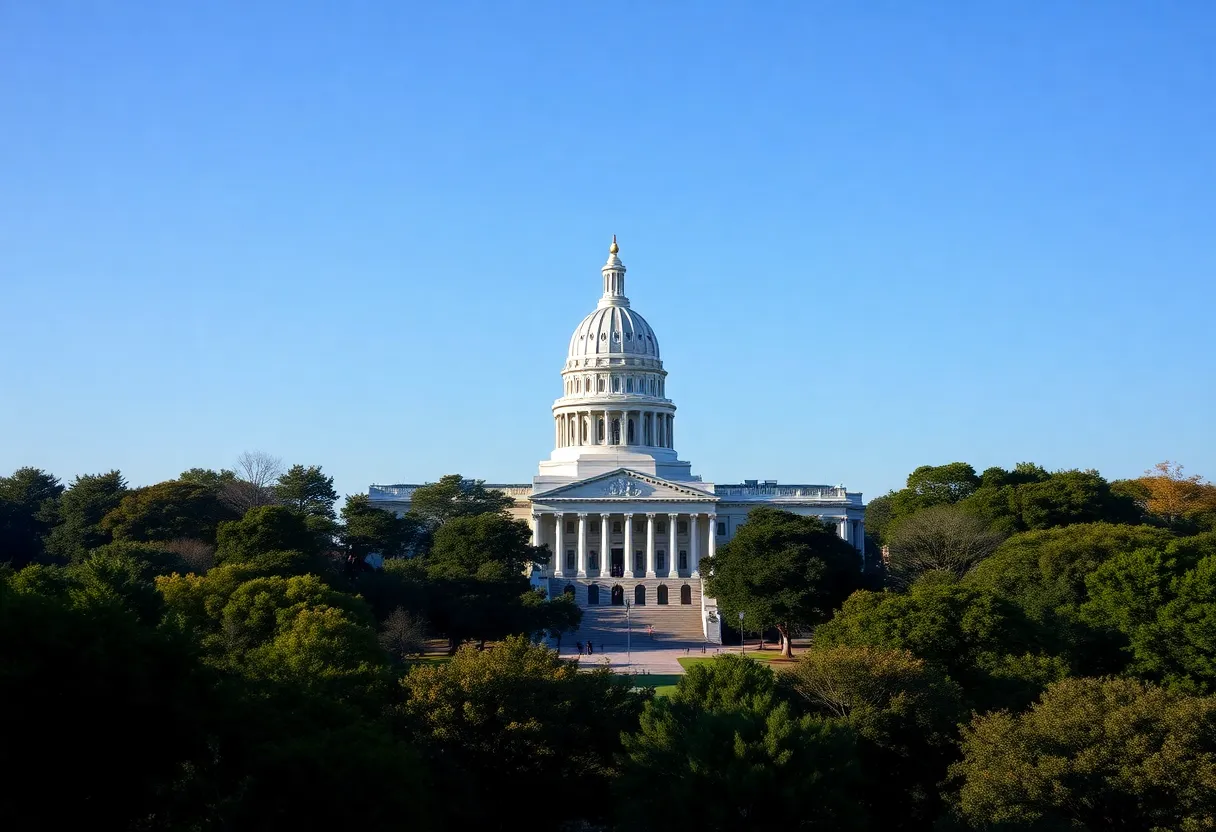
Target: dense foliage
[216, 652]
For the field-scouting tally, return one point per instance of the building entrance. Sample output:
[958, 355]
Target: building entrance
[618, 596]
[618, 563]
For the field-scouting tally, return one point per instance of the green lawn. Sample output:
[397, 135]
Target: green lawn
[762, 656]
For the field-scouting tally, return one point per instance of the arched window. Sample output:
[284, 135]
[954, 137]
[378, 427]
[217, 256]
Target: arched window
[631, 439]
[686, 595]
[616, 384]
[629, 385]
[616, 431]
[662, 594]
[599, 430]
[601, 384]
[569, 590]
[618, 596]
[593, 594]
[639, 595]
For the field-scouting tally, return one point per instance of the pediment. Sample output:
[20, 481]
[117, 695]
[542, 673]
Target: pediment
[624, 485]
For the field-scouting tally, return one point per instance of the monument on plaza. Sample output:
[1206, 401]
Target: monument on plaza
[624, 516]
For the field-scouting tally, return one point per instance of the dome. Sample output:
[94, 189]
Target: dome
[613, 330]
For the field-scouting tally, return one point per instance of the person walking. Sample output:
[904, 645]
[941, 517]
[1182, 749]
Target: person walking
[650, 631]
[589, 649]
[579, 646]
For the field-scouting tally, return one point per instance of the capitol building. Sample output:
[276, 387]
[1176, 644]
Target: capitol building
[623, 515]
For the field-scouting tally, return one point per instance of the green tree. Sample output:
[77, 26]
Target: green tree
[736, 761]
[1092, 754]
[80, 671]
[454, 496]
[904, 711]
[785, 570]
[28, 506]
[1070, 497]
[1179, 645]
[367, 529]
[307, 490]
[265, 530]
[502, 723]
[82, 506]
[983, 641]
[169, 510]
[490, 546]
[208, 477]
[935, 485]
[1045, 572]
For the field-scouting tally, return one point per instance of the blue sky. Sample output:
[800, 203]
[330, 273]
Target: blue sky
[869, 235]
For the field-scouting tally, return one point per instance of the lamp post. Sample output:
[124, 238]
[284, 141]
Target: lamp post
[742, 637]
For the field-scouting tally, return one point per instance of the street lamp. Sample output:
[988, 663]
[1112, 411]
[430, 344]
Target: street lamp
[742, 637]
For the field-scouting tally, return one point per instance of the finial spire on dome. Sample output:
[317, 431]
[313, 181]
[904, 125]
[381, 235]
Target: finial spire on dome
[614, 248]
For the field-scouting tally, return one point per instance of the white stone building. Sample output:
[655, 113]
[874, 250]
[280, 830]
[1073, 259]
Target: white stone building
[625, 518]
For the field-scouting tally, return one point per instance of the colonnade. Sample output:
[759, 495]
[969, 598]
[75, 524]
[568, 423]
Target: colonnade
[656, 554]
[649, 428]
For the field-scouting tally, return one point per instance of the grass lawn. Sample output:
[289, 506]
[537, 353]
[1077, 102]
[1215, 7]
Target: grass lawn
[772, 657]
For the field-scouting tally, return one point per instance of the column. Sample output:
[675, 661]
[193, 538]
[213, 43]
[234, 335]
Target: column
[582, 545]
[649, 545]
[605, 559]
[629, 565]
[694, 544]
[711, 545]
[559, 550]
[535, 529]
[844, 530]
[673, 559]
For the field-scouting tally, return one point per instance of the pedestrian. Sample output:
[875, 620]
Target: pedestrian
[579, 646]
[589, 650]
[650, 631]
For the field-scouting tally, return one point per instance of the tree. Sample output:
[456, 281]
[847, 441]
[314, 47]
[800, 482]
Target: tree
[454, 496]
[307, 490]
[168, 511]
[736, 761]
[367, 529]
[1174, 497]
[28, 505]
[81, 671]
[904, 711]
[934, 485]
[403, 634]
[81, 508]
[1069, 497]
[941, 538]
[1092, 754]
[516, 720]
[1178, 646]
[483, 545]
[266, 530]
[784, 570]
[256, 473]
[981, 640]
[208, 477]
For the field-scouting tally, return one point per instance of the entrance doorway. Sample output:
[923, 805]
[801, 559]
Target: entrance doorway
[618, 596]
[618, 563]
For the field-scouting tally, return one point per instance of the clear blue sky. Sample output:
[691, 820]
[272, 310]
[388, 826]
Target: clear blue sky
[869, 235]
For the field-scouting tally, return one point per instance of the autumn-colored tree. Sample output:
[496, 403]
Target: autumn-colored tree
[1173, 496]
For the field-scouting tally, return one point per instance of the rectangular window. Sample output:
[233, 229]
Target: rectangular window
[660, 560]
[616, 526]
[593, 559]
[570, 559]
[639, 528]
[662, 527]
[569, 527]
[682, 527]
[722, 529]
[595, 526]
[683, 559]
[639, 560]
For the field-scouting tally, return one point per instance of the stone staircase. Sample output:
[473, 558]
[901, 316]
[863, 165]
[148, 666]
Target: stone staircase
[606, 628]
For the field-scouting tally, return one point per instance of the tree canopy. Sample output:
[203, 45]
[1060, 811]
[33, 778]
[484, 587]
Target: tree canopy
[785, 571]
